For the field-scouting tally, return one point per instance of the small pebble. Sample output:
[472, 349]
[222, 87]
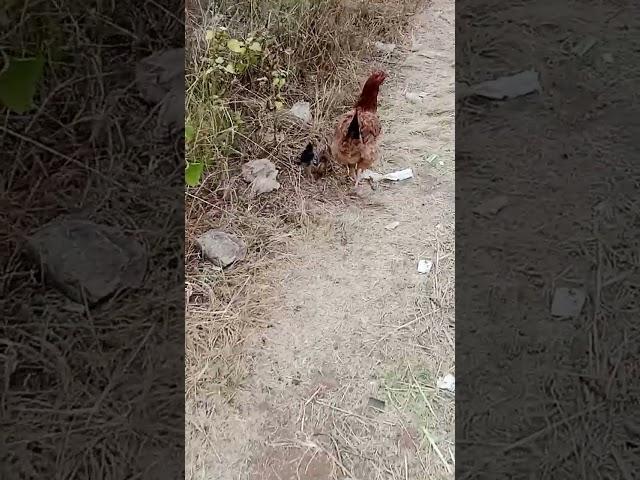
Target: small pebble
[567, 302]
[392, 226]
[424, 266]
[384, 47]
[376, 404]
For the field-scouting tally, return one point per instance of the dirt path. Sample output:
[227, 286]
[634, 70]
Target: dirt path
[355, 320]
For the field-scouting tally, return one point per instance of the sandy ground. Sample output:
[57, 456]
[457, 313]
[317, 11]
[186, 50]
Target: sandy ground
[342, 384]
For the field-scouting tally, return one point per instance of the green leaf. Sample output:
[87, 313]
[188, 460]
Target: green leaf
[219, 60]
[209, 35]
[278, 105]
[255, 47]
[18, 83]
[230, 68]
[189, 133]
[236, 46]
[193, 174]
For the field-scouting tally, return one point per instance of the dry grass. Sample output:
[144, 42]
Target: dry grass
[95, 394]
[329, 40]
[558, 398]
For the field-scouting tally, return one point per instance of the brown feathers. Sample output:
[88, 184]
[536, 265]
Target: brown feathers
[356, 142]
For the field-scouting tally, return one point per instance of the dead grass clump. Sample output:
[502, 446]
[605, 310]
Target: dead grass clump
[248, 61]
[89, 393]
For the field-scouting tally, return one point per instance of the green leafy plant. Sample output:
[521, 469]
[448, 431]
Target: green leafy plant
[229, 61]
[277, 83]
[193, 174]
[19, 81]
[234, 56]
[189, 133]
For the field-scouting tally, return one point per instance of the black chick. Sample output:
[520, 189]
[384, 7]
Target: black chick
[313, 163]
[308, 156]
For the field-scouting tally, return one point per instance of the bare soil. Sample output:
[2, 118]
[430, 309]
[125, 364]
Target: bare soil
[354, 324]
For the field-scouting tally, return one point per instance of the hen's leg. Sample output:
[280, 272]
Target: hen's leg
[353, 171]
[357, 177]
[350, 172]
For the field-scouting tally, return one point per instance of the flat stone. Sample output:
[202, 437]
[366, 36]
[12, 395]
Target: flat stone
[85, 260]
[160, 80]
[221, 248]
[262, 175]
[492, 206]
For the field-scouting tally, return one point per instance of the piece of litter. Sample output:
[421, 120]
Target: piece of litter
[567, 302]
[413, 97]
[399, 175]
[510, 86]
[584, 45]
[384, 47]
[392, 226]
[424, 266]
[393, 176]
[607, 57]
[492, 206]
[432, 158]
[441, 163]
[448, 382]
[376, 404]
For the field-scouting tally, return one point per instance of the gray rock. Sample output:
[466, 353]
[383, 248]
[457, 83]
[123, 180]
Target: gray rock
[492, 206]
[301, 111]
[384, 47]
[221, 248]
[160, 80]
[261, 174]
[83, 259]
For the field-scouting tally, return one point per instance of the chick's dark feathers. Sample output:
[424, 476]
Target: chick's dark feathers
[308, 156]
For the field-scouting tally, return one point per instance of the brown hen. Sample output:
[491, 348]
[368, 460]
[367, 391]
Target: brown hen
[356, 142]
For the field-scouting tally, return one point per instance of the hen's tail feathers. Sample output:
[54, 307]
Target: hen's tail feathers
[354, 127]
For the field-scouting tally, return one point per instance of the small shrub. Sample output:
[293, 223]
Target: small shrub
[228, 63]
